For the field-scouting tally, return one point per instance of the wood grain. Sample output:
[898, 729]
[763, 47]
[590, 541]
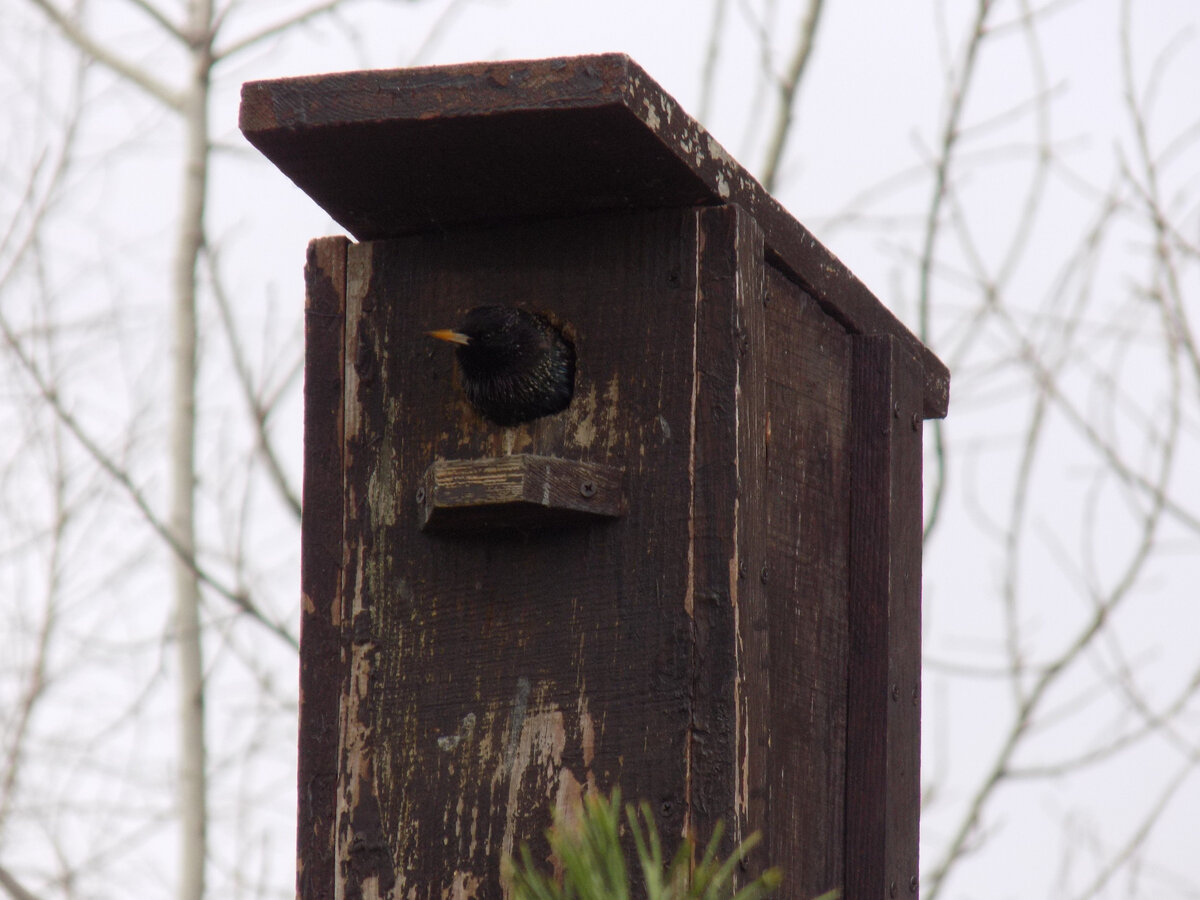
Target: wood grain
[726, 760]
[884, 714]
[522, 491]
[321, 565]
[495, 678]
[808, 377]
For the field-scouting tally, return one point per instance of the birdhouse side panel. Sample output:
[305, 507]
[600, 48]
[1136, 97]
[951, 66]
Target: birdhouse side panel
[884, 679]
[806, 574]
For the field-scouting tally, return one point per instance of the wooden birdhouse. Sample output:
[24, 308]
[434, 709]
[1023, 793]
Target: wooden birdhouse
[699, 581]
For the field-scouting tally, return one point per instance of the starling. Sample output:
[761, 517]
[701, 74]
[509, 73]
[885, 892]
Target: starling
[516, 365]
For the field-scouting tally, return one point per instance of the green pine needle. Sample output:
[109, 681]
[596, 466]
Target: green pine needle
[594, 868]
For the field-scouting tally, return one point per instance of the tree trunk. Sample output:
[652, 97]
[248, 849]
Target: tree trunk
[193, 812]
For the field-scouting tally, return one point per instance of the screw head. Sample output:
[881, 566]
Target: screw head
[420, 495]
[763, 574]
[916, 421]
[588, 489]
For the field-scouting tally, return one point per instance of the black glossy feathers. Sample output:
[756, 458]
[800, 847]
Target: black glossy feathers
[516, 365]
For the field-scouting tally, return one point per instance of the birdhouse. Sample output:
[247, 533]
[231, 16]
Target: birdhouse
[697, 578]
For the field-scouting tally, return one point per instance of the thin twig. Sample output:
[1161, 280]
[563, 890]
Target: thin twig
[78, 36]
[712, 54]
[951, 130]
[274, 29]
[161, 19]
[13, 887]
[259, 411]
[789, 86]
[50, 396]
[440, 27]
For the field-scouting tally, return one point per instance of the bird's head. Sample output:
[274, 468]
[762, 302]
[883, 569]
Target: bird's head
[515, 364]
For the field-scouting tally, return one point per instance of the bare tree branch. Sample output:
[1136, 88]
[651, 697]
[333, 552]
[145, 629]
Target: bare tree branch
[788, 87]
[1138, 837]
[1029, 702]
[275, 29]
[13, 887]
[440, 27]
[259, 411]
[50, 396]
[77, 35]
[161, 20]
[712, 53]
[951, 129]
[1152, 193]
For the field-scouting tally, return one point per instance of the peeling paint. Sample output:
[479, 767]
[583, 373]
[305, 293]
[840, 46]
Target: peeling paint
[465, 885]
[665, 427]
[540, 744]
[717, 152]
[612, 408]
[466, 728]
[516, 721]
[587, 730]
[651, 116]
[585, 428]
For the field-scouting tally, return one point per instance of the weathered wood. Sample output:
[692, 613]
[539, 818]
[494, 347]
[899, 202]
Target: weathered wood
[522, 491]
[884, 678]
[492, 679]
[321, 565]
[695, 652]
[727, 746]
[394, 152]
[807, 370]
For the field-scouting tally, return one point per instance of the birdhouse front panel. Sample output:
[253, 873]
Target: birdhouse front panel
[493, 674]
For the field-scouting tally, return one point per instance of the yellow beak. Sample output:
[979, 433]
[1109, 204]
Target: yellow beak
[453, 337]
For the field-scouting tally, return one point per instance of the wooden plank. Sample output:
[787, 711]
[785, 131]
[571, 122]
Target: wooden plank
[807, 434]
[751, 551]
[491, 679]
[393, 152]
[521, 491]
[727, 751]
[320, 565]
[884, 678]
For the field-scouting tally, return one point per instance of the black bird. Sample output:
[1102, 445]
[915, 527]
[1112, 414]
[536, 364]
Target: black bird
[516, 365]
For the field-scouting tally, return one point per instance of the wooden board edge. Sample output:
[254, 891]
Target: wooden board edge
[321, 565]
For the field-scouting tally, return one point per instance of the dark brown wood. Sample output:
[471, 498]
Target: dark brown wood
[395, 152]
[884, 679]
[321, 565]
[521, 491]
[807, 370]
[492, 679]
[727, 749]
